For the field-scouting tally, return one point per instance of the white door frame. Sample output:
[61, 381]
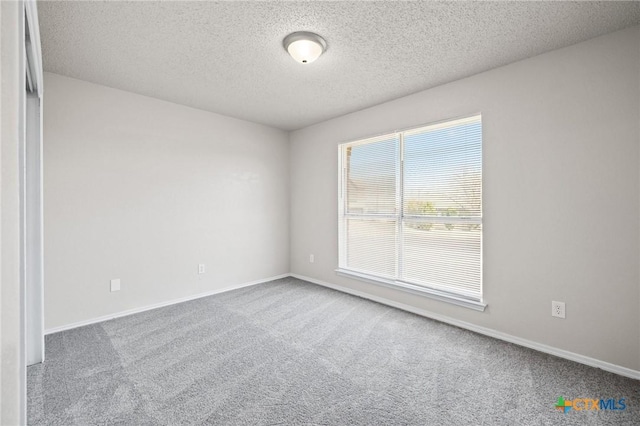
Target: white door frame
[31, 191]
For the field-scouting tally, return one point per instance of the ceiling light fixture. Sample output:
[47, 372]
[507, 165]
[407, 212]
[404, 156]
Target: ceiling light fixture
[304, 47]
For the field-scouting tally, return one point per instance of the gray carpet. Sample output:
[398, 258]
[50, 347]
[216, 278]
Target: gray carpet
[290, 352]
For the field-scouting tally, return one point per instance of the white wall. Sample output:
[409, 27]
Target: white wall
[561, 194]
[145, 190]
[12, 360]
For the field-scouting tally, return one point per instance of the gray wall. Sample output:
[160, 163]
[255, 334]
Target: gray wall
[145, 190]
[561, 194]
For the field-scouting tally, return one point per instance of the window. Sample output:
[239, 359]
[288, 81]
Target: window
[410, 206]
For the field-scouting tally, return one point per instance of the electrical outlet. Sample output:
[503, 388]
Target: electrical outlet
[312, 258]
[557, 309]
[201, 268]
[115, 284]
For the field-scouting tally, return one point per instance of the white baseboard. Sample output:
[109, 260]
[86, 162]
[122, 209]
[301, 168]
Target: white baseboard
[592, 362]
[159, 305]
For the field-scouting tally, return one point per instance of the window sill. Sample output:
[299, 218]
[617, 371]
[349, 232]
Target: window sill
[421, 291]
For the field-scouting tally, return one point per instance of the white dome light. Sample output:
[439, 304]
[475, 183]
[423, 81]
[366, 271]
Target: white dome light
[304, 47]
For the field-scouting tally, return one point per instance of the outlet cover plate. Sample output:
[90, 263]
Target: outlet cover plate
[558, 309]
[115, 284]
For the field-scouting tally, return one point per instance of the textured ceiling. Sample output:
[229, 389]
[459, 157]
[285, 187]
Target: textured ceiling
[227, 57]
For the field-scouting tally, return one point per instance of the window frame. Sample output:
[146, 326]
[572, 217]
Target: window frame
[399, 218]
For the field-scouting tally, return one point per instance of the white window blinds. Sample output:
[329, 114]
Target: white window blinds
[411, 208]
[371, 204]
